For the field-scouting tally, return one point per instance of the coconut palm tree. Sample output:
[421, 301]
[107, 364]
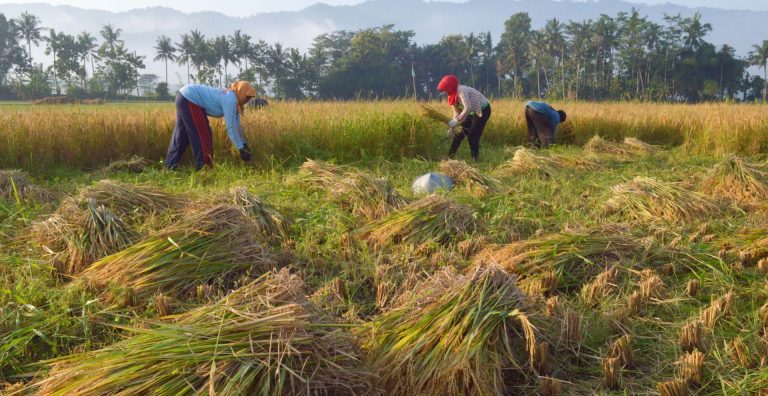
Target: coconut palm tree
[53, 41]
[165, 52]
[29, 28]
[186, 51]
[87, 46]
[759, 57]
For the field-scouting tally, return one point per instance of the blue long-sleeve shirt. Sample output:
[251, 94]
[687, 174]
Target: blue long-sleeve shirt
[546, 109]
[218, 103]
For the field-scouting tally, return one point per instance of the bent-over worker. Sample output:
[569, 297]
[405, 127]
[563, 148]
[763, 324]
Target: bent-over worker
[542, 122]
[471, 110]
[194, 104]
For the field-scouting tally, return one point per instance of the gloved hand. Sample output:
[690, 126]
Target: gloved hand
[453, 123]
[245, 153]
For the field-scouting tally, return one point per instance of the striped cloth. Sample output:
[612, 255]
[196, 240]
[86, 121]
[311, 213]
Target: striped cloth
[472, 101]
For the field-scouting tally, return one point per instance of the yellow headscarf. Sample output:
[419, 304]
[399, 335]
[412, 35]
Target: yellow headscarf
[244, 92]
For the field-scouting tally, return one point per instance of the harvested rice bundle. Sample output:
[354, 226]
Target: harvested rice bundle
[135, 164]
[263, 338]
[432, 219]
[213, 245]
[639, 146]
[598, 145]
[433, 114]
[736, 179]
[475, 182]
[129, 199]
[454, 340]
[82, 236]
[16, 185]
[527, 161]
[268, 221]
[365, 195]
[648, 199]
[574, 256]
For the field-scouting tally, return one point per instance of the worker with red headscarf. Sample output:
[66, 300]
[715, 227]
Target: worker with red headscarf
[471, 110]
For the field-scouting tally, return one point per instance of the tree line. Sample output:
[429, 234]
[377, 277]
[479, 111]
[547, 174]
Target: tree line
[621, 57]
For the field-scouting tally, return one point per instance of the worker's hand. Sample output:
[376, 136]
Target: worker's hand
[245, 153]
[453, 123]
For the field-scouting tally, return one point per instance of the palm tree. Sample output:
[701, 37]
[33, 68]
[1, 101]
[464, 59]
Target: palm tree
[556, 45]
[29, 28]
[759, 57]
[200, 49]
[87, 47]
[241, 48]
[52, 45]
[111, 36]
[165, 52]
[695, 31]
[186, 51]
[223, 52]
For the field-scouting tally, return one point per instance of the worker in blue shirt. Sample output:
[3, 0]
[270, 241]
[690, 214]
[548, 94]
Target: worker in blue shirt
[542, 122]
[194, 103]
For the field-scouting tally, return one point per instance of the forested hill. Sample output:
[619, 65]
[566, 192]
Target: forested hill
[430, 20]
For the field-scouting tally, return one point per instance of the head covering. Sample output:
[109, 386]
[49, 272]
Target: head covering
[244, 92]
[450, 85]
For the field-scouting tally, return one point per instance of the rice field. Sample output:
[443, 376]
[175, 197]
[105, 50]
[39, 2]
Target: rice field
[632, 260]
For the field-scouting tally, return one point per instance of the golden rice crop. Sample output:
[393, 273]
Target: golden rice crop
[574, 256]
[432, 219]
[263, 338]
[736, 179]
[15, 185]
[365, 195]
[648, 199]
[459, 339]
[474, 180]
[267, 220]
[211, 246]
[434, 114]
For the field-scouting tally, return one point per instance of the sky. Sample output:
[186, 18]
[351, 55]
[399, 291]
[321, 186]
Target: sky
[247, 8]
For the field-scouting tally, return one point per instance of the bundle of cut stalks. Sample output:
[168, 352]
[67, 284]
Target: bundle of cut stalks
[639, 147]
[268, 221]
[131, 199]
[397, 276]
[454, 339]
[648, 199]
[527, 161]
[135, 164]
[598, 145]
[574, 256]
[15, 185]
[363, 194]
[676, 387]
[214, 245]
[76, 237]
[433, 114]
[692, 367]
[738, 180]
[475, 182]
[432, 219]
[263, 338]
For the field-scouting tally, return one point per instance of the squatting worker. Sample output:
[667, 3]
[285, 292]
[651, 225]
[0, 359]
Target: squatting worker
[542, 122]
[194, 103]
[471, 110]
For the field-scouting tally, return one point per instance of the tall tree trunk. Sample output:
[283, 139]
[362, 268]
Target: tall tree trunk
[514, 80]
[188, 72]
[166, 72]
[55, 74]
[562, 67]
[538, 82]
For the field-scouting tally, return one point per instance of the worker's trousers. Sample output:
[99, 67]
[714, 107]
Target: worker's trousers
[192, 129]
[541, 133]
[473, 128]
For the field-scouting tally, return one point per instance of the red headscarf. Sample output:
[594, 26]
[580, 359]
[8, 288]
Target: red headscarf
[450, 85]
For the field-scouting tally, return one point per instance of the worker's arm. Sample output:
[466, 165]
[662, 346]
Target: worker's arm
[232, 118]
[465, 104]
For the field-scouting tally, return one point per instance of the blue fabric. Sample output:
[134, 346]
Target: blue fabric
[218, 103]
[546, 109]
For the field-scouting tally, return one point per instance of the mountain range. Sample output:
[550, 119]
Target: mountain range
[430, 20]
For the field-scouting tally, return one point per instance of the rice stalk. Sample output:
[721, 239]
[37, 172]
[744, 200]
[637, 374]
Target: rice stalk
[527, 161]
[651, 287]
[692, 367]
[267, 220]
[549, 387]
[16, 186]
[433, 219]
[648, 199]
[572, 328]
[263, 338]
[130, 199]
[553, 306]
[474, 180]
[675, 387]
[434, 114]
[634, 303]
[612, 374]
[164, 305]
[598, 289]
[573, 256]
[454, 339]
[541, 358]
[598, 145]
[690, 337]
[736, 179]
[214, 245]
[740, 354]
[134, 164]
[364, 195]
[622, 349]
[640, 147]
[692, 288]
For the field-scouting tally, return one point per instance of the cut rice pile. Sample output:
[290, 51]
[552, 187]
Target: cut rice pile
[648, 199]
[433, 219]
[15, 185]
[738, 180]
[263, 338]
[527, 161]
[475, 182]
[135, 164]
[640, 147]
[574, 257]
[631, 147]
[366, 196]
[131, 199]
[461, 335]
[217, 244]
[267, 220]
[75, 237]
